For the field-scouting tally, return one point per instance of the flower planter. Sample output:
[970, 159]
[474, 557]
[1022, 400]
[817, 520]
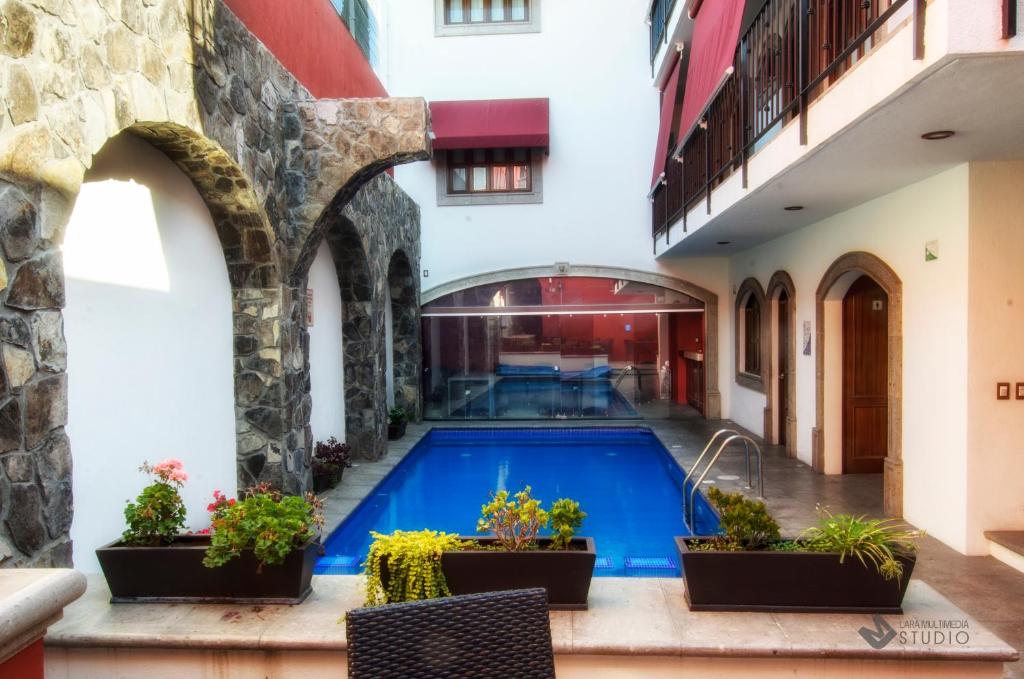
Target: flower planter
[565, 574]
[788, 582]
[323, 482]
[396, 431]
[175, 573]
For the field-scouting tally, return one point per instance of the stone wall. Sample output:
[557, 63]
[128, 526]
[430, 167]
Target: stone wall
[276, 169]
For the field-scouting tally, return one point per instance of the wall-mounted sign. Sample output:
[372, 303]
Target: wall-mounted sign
[629, 327]
[807, 338]
[309, 307]
[931, 251]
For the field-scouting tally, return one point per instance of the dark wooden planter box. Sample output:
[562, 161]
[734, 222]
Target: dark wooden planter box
[322, 482]
[396, 431]
[788, 582]
[175, 573]
[565, 574]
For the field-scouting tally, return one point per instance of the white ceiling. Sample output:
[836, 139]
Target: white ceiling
[980, 97]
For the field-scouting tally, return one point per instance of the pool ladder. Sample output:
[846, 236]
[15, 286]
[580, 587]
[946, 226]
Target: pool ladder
[734, 436]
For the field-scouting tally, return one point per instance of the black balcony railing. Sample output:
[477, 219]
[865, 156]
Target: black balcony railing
[790, 53]
[661, 12]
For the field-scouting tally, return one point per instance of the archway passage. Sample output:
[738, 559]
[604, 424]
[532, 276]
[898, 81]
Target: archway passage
[865, 367]
[833, 417]
[406, 356]
[148, 325]
[565, 347]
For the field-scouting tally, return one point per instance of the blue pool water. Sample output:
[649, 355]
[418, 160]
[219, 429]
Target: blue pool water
[623, 478]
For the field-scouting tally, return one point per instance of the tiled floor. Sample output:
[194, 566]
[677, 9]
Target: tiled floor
[985, 588]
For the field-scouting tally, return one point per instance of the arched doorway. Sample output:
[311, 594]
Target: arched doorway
[493, 351]
[326, 362]
[780, 413]
[148, 325]
[859, 361]
[405, 356]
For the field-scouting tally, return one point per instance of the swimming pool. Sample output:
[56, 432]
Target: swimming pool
[622, 477]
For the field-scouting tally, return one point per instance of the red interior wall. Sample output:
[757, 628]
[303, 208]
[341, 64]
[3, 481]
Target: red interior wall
[310, 40]
[687, 334]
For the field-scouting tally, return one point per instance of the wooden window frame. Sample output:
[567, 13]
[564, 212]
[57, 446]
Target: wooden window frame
[751, 289]
[488, 11]
[490, 164]
[442, 27]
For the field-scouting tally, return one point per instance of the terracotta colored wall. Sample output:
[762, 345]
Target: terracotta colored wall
[687, 335]
[311, 41]
[26, 664]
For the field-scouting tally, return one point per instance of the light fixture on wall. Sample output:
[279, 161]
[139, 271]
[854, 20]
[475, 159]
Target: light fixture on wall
[937, 135]
[793, 208]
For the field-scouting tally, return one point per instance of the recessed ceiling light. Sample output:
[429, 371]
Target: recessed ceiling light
[936, 135]
[794, 208]
[725, 242]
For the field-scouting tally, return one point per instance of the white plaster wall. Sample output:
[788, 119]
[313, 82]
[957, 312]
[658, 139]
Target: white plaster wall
[326, 361]
[389, 348]
[895, 228]
[996, 325]
[148, 327]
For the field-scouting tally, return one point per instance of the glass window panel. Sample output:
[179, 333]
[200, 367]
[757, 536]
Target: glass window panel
[499, 178]
[498, 155]
[497, 10]
[518, 10]
[519, 155]
[458, 180]
[457, 157]
[521, 178]
[480, 178]
[479, 156]
[455, 14]
[476, 11]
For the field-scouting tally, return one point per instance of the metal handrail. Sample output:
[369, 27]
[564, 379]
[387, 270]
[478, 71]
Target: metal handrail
[747, 441]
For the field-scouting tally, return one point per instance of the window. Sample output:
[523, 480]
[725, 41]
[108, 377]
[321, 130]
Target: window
[751, 335]
[489, 171]
[362, 24]
[485, 11]
[489, 177]
[752, 338]
[478, 17]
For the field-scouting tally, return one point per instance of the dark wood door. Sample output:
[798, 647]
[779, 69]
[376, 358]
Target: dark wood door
[865, 377]
[784, 367]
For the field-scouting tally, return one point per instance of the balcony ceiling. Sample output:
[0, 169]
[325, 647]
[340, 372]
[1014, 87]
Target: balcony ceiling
[881, 152]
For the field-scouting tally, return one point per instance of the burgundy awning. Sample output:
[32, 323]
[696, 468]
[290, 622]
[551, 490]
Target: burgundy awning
[495, 123]
[716, 32]
[668, 106]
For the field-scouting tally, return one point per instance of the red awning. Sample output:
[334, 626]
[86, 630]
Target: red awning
[716, 32]
[496, 123]
[668, 106]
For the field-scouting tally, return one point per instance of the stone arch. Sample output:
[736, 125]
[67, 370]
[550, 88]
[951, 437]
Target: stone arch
[781, 282]
[749, 289]
[833, 286]
[713, 397]
[405, 334]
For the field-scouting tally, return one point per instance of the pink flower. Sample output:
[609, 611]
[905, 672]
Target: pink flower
[171, 470]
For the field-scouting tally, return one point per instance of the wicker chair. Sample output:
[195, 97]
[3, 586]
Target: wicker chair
[478, 636]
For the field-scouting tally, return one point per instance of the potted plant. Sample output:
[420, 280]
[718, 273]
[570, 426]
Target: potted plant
[397, 420]
[330, 458]
[514, 557]
[260, 549]
[844, 564]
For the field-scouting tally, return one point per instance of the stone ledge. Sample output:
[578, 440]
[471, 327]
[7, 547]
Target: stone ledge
[30, 601]
[628, 617]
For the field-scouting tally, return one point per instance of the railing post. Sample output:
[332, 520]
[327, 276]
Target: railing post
[805, 58]
[1009, 19]
[919, 11]
[744, 105]
[707, 157]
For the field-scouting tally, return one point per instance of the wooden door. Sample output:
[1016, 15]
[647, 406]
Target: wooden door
[865, 377]
[784, 367]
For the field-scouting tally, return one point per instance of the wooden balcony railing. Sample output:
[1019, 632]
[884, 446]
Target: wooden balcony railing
[791, 52]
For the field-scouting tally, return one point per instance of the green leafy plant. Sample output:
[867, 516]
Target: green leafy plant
[406, 566]
[265, 521]
[515, 522]
[746, 523]
[874, 541]
[397, 416]
[158, 513]
[566, 517]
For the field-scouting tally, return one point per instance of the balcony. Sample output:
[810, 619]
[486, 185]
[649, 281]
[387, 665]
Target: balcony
[659, 18]
[776, 124]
